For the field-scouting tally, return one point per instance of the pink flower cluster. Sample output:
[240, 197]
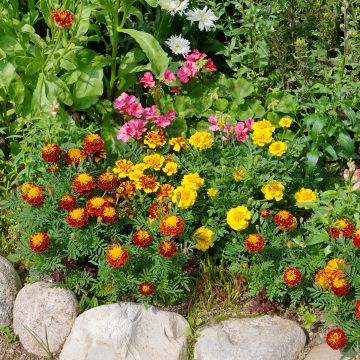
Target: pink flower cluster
[148, 80]
[352, 175]
[126, 103]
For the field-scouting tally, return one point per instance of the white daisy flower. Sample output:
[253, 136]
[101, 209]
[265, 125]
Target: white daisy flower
[205, 17]
[178, 45]
[174, 6]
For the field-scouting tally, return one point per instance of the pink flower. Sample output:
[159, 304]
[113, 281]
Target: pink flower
[171, 114]
[191, 68]
[123, 101]
[219, 125]
[227, 131]
[135, 109]
[249, 123]
[210, 65]
[150, 112]
[148, 80]
[164, 121]
[169, 76]
[347, 174]
[182, 75]
[241, 131]
[213, 120]
[132, 129]
[176, 90]
[195, 55]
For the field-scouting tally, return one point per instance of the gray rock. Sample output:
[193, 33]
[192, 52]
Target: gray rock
[126, 331]
[261, 338]
[10, 285]
[324, 352]
[43, 309]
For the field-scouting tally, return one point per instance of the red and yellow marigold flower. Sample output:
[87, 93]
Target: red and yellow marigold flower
[264, 213]
[172, 225]
[154, 139]
[116, 256]
[340, 226]
[32, 194]
[94, 147]
[155, 161]
[357, 308]
[108, 214]
[146, 288]
[158, 210]
[340, 286]
[77, 217]
[95, 205]
[254, 242]
[356, 237]
[336, 339]
[73, 156]
[107, 181]
[83, 184]
[322, 279]
[333, 269]
[51, 152]
[192, 181]
[68, 202]
[165, 191]
[238, 218]
[147, 183]
[126, 191]
[167, 248]
[177, 143]
[39, 242]
[292, 276]
[141, 238]
[285, 221]
[62, 18]
[123, 168]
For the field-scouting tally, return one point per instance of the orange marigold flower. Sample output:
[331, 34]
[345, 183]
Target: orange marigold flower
[172, 225]
[109, 214]
[357, 306]
[147, 183]
[68, 202]
[94, 147]
[285, 221]
[32, 194]
[165, 191]
[107, 181]
[39, 242]
[146, 288]
[336, 339]
[177, 143]
[77, 217]
[154, 139]
[62, 18]
[54, 167]
[167, 248]
[340, 226]
[123, 168]
[116, 256]
[292, 276]
[333, 269]
[321, 278]
[157, 210]
[126, 191]
[83, 184]
[73, 156]
[95, 205]
[254, 242]
[340, 286]
[141, 238]
[265, 213]
[51, 152]
[356, 237]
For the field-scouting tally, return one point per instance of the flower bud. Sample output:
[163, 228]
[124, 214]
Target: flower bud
[73, 235]
[346, 174]
[99, 220]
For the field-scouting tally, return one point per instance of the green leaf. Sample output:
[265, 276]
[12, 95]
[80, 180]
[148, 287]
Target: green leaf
[178, 127]
[312, 158]
[83, 21]
[346, 143]
[316, 128]
[240, 88]
[157, 56]
[152, 3]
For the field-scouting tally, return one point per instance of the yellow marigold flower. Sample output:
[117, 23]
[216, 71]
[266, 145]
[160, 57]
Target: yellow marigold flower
[170, 168]
[263, 125]
[203, 238]
[305, 195]
[262, 137]
[201, 140]
[192, 181]
[238, 174]
[137, 171]
[211, 192]
[273, 190]
[155, 161]
[154, 139]
[177, 143]
[278, 148]
[122, 168]
[238, 218]
[184, 196]
[285, 122]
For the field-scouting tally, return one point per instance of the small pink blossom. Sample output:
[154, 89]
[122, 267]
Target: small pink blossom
[135, 109]
[346, 174]
[249, 123]
[150, 112]
[182, 75]
[220, 126]
[123, 101]
[169, 76]
[171, 114]
[148, 80]
[241, 131]
[176, 90]
[210, 65]
[213, 120]
[227, 132]
[195, 55]
[132, 129]
[164, 121]
[191, 68]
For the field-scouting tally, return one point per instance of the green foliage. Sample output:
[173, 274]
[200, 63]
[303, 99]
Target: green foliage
[8, 333]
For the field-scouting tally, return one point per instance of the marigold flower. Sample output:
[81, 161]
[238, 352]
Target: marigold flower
[147, 183]
[321, 279]
[83, 184]
[167, 248]
[340, 286]
[95, 205]
[62, 18]
[285, 122]
[51, 152]
[158, 210]
[238, 218]
[94, 147]
[32, 194]
[192, 181]
[211, 192]
[263, 125]
[285, 220]
[172, 225]
[107, 181]
[184, 197]
[357, 306]
[77, 217]
[54, 167]
[146, 288]
[356, 237]
[116, 256]
[336, 339]
[201, 140]
[262, 137]
[122, 168]
[39, 242]
[203, 238]
[177, 143]
[155, 161]
[305, 195]
[238, 174]
[154, 139]
[137, 171]
[141, 238]
[333, 268]
[109, 214]
[273, 190]
[73, 156]
[165, 191]
[68, 202]
[278, 148]
[264, 213]
[170, 168]
[254, 242]
[292, 276]
[340, 226]
[126, 191]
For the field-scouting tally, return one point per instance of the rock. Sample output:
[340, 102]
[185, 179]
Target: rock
[126, 331]
[43, 308]
[10, 285]
[261, 338]
[324, 352]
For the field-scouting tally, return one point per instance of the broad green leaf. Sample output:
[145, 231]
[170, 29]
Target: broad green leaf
[346, 143]
[312, 158]
[83, 20]
[152, 3]
[240, 88]
[7, 72]
[316, 128]
[178, 127]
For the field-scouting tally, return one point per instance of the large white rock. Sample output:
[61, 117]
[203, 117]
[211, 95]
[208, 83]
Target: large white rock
[10, 285]
[43, 309]
[126, 331]
[260, 338]
[324, 352]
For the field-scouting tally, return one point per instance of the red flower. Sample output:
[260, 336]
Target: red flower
[157, 210]
[73, 156]
[285, 221]
[51, 152]
[357, 306]
[292, 276]
[68, 202]
[147, 183]
[339, 286]
[62, 18]
[39, 242]
[172, 225]
[94, 206]
[32, 194]
[107, 181]
[109, 214]
[336, 339]
[356, 237]
[265, 213]
[77, 217]
[83, 184]
[165, 191]
[116, 256]
[146, 288]
[254, 242]
[141, 238]
[340, 226]
[94, 147]
[167, 248]
[125, 191]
